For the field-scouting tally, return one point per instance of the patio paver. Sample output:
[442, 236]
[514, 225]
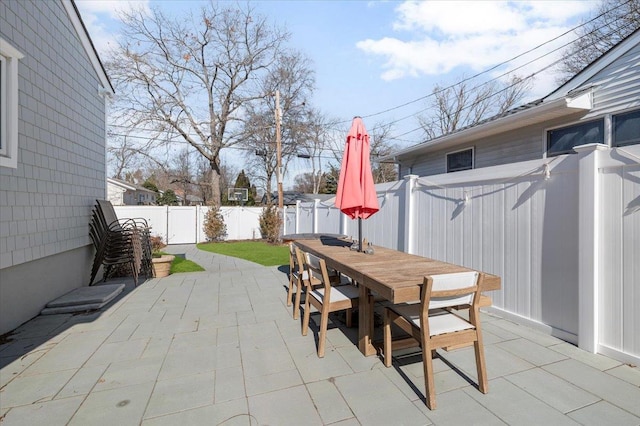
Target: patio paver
[220, 346]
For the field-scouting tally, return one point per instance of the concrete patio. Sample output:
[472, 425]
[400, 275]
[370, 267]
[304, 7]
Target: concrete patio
[221, 347]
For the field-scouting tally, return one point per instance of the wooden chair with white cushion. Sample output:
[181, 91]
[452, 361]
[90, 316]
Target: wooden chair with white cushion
[298, 277]
[326, 298]
[434, 325]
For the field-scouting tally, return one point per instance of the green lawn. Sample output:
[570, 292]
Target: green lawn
[180, 264]
[254, 251]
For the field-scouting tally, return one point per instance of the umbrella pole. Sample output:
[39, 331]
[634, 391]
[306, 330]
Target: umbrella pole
[360, 249]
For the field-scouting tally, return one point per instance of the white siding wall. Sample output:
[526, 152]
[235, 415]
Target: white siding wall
[618, 85]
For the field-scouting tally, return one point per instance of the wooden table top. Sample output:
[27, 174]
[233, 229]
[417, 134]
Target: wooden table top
[394, 275]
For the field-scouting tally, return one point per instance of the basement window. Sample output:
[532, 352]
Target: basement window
[460, 160]
[626, 128]
[562, 140]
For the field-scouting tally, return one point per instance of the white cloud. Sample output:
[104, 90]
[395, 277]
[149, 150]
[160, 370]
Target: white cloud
[110, 7]
[101, 18]
[440, 36]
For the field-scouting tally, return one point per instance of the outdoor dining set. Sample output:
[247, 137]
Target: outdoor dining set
[424, 300]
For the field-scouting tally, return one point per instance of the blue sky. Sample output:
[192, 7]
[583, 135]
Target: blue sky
[373, 56]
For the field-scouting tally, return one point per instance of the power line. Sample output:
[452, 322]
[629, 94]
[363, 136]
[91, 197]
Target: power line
[532, 75]
[495, 66]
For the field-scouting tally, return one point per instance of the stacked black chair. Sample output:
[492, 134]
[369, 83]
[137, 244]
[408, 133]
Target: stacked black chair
[119, 242]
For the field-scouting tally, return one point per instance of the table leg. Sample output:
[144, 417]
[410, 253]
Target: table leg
[365, 321]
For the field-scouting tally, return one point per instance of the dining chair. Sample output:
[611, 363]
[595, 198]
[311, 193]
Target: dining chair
[326, 298]
[434, 325]
[298, 278]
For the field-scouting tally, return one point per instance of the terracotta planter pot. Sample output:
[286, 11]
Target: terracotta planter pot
[162, 265]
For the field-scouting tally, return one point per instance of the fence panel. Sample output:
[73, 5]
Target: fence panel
[243, 223]
[156, 217]
[182, 223]
[619, 292]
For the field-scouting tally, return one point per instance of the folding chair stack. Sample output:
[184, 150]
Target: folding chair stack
[119, 242]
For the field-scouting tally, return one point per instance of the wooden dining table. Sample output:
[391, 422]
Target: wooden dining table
[391, 274]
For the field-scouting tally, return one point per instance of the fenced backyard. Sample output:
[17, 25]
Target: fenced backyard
[563, 234]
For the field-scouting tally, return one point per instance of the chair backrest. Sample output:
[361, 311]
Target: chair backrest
[107, 212]
[317, 268]
[447, 290]
[292, 257]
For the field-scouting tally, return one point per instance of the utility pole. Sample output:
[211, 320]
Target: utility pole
[279, 152]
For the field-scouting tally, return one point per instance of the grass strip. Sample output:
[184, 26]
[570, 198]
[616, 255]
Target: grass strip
[253, 251]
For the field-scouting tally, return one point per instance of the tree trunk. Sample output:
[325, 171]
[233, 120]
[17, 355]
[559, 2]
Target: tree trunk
[216, 198]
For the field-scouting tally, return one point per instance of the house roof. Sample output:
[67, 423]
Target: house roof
[83, 35]
[128, 186]
[121, 183]
[567, 99]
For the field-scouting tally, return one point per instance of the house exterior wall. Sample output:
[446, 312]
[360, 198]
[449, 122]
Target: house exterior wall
[616, 89]
[617, 86]
[524, 144]
[115, 194]
[45, 203]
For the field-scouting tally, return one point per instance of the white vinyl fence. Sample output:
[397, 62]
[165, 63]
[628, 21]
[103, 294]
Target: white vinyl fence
[563, 233]
[184, 224]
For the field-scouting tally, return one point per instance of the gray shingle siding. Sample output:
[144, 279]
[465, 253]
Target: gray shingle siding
[45, 203]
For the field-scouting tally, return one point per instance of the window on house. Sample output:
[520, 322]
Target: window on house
[9, 57]
[460, 160]
[562, 141]
[626, 128]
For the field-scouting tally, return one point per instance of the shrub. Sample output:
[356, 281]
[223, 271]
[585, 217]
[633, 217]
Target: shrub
[270, 224]
[156, 245]
[214, 227]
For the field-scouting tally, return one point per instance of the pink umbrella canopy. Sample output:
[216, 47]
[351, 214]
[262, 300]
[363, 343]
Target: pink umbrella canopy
[356, 195]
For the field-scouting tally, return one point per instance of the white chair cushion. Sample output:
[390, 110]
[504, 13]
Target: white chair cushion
[305, 275]
[440, 320]
[339, 293]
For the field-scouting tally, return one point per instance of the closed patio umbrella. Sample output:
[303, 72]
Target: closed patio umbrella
[356, 195]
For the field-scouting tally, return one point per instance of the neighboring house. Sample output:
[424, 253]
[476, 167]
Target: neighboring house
[122, 193]
[52, 154]
[599, 105]
[194, 200]
[548, 197]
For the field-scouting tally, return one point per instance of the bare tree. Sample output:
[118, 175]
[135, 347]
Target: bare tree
[458, 106]
[191, 77]
[614, 20]
[295, 81]
[310, 183]
[381, 146]
[122, 156]
[315, 142]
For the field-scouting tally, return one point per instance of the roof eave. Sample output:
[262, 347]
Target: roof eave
[538, 114]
